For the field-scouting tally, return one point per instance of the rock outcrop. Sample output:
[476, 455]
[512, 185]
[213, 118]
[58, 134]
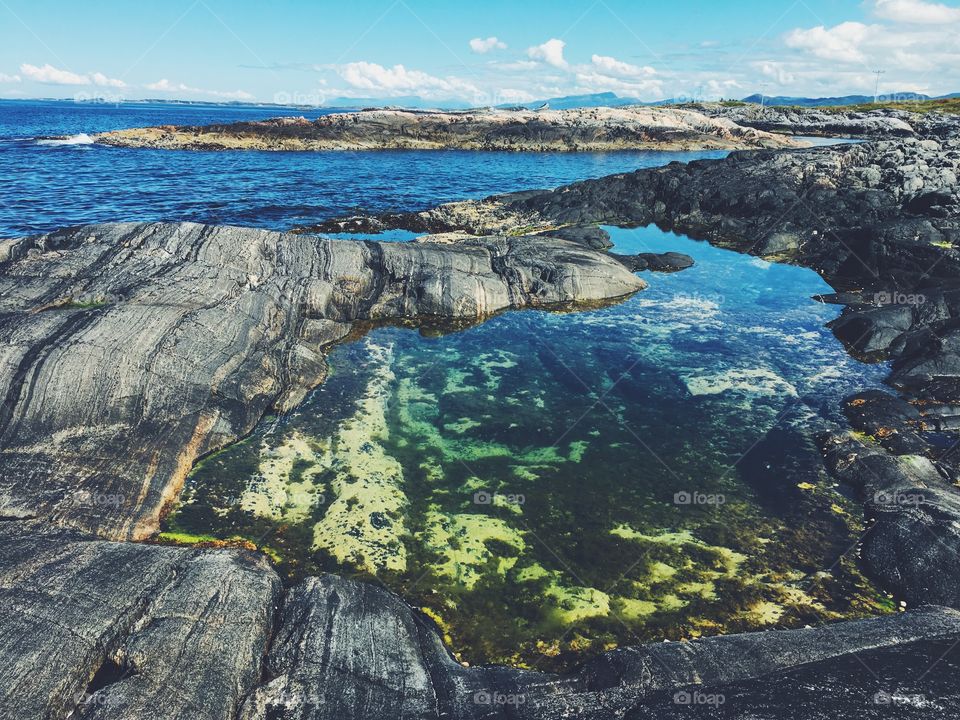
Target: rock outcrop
[123, 630]
[595, 129]
[131, 350]
[836, 122]
[108, 631]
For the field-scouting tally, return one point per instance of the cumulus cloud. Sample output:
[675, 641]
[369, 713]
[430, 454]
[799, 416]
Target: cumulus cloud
[550, 52]
[916, 12]
[777, 71]
[398, 80]
[481, 46]
[4, 78]
[104, 81]
[166, 86]
[612, 66]
[841, 42]
[50, 75]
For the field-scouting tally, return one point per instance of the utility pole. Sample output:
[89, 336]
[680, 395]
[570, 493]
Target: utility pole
[876, 90]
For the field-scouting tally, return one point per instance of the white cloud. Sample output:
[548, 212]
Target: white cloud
[4, 78]
[550, 52]
[398, 80]
[54, 76]
[841, 42]
[166, 86]
[104, 81]
[777, 71]
[612, 66]
[916, 12]
[481, 46]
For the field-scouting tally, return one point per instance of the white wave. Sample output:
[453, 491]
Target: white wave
[81, 139]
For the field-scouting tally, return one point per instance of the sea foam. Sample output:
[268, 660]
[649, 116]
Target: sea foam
[81, 139]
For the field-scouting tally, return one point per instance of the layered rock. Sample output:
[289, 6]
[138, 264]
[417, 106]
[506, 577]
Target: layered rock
[133, 349]
[595, 129]
[122, 630]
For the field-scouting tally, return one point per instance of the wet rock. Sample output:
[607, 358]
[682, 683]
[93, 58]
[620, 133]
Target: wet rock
[913, 545]
[659, 262]
[888, 418]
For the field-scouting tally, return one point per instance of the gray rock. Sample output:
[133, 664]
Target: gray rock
[131, 350]
[121, 630]
[351, 650]
[581, 129]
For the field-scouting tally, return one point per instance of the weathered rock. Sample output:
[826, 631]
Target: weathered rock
[890, 419]
[541, 130]
[112, 630]
[835, 122]
[351, 650]
[131, 350]
[913, 547]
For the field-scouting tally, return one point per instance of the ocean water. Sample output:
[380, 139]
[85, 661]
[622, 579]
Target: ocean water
[543, 485]
[45, 185]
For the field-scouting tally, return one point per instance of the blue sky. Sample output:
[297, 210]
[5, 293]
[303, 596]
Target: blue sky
[480, 53]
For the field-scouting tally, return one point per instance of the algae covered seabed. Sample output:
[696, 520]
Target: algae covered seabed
[546, 486]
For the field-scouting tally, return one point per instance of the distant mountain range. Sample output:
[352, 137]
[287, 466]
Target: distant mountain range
[844, 100]
[567, 102]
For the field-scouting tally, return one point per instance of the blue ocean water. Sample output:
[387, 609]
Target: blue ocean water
[45, 186]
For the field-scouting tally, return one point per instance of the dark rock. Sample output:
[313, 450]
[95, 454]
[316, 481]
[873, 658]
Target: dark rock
[913, 546]
[890, 419]
[351, 650]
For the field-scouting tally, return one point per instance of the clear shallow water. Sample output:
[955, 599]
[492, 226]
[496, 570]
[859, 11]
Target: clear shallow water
[547, 485]
[44, 186]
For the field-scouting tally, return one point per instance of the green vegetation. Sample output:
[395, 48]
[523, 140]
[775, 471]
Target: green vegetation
[949, 105]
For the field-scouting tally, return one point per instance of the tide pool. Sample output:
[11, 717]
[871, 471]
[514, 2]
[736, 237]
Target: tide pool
[549, 485]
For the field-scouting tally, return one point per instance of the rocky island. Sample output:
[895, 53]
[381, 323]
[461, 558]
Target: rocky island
[134, 349]
[584, 129]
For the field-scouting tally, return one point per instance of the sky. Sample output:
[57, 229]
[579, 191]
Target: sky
[478, 53]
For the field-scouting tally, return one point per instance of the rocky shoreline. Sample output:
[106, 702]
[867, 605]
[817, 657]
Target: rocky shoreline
[586, 129]
[834, 122]
[236, 322]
